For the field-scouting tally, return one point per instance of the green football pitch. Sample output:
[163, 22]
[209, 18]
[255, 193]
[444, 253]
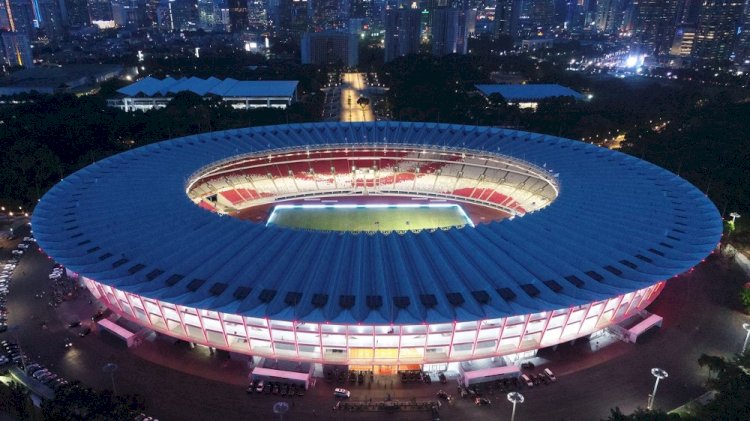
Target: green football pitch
[383, 218]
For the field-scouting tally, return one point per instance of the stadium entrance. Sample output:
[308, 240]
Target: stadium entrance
[385, 370]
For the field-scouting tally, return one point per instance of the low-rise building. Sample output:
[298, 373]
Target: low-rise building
[75, 78]
[528, 95]
[149, 93]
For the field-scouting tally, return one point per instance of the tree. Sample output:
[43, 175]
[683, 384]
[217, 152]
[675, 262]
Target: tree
[641, 414]
[715, 364]
[732, 384]
[19, 399]
[745, 298]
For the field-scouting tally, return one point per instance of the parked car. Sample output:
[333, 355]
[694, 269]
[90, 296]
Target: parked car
[528, 365]
[482, 401]
[98, 316]
[527, 380]
[84, 332]
[550, 374]
[341, 393]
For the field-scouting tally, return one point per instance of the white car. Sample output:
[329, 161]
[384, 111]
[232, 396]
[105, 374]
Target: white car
[23, 246]
[18, 252]
[341, 393]
[550, 374]
[527, 380]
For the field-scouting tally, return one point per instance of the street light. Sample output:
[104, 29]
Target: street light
[280, 408]
[734, 216]
[111, 368]
[659, 374]
[745, 326]
[514, 397]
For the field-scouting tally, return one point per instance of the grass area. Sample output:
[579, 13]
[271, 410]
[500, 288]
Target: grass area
[355, 218]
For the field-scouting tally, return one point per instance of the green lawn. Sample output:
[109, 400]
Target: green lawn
[368, 219]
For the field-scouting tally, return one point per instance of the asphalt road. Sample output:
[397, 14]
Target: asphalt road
[352, 89]
[184, 384]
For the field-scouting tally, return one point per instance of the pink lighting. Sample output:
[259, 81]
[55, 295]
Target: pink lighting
[268, 339]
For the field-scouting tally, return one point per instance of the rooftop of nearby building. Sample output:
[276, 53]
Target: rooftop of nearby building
[59, 78]
[521, 92]
[150, 86]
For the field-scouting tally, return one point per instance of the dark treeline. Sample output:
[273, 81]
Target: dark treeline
[705, 139]
[48, 137]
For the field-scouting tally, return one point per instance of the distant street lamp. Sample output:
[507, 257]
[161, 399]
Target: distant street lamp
[514, 398]
[745, 326]
[659, 374]
[734, 216]
[280, 408]
[111, 368]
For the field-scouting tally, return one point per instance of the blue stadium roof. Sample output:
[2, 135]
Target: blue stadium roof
[150, 86]
[529, 92]
[619, 224]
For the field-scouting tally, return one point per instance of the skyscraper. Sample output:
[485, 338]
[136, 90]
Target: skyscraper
[402, 27]
[293, 15]
[16, 49]
[330, 48]
[238, 15]
[608, 16]
[77, 12]
[506, 17]
[326, 14]
[128, 13]
[718, 23]
[6, 16]
[449, 31]
[52, 22]
[684, 40]
[742, 45]
[654, 25]
[98, 10]
[361, 9]
[22, 13]
[257, 14]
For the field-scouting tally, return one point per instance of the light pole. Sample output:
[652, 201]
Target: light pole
[659, 374]
[280, 408]
[111, 368]
[734, 216]
[745, 326]
[514, 398]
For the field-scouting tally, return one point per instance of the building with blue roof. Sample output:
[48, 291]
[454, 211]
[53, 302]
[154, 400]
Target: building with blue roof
[528, 95]
[588, 239]
[149, 92]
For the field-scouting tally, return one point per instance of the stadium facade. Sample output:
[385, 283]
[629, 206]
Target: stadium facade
[574, 239]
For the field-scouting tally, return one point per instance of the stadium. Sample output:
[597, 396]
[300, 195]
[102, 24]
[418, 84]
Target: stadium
[376, 244]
